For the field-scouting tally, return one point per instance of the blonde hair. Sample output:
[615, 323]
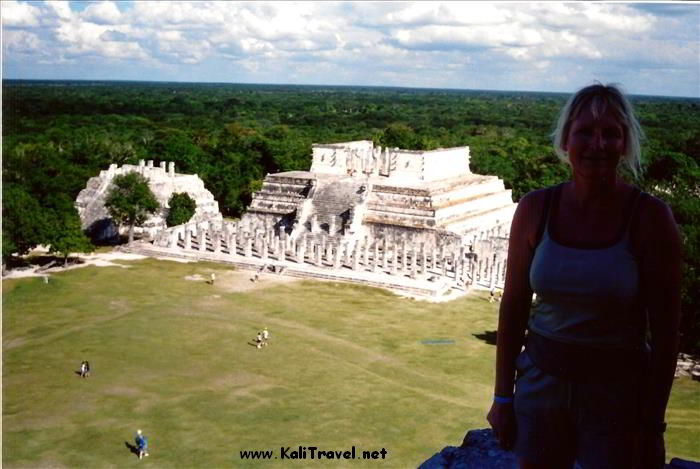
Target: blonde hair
[599, 99]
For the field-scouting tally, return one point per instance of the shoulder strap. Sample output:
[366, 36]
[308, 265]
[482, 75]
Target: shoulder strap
[632, 224]
[544, 218]
[633, 211]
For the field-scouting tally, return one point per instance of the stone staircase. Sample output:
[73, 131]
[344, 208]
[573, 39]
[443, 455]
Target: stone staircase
[281, 194]
[334, 203]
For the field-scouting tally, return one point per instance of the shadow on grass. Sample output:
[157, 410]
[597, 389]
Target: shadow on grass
[487, 336]
[132, 448]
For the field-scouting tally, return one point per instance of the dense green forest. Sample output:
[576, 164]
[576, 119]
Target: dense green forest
[56, 135]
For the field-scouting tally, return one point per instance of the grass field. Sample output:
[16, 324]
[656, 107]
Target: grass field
[346, 366]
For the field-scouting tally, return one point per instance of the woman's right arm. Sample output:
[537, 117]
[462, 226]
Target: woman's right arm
[515, 310]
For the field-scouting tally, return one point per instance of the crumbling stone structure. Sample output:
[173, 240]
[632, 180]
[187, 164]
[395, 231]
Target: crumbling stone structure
[163, 181]
[417, 221]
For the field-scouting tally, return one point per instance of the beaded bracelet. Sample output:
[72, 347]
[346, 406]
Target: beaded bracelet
[502, 399]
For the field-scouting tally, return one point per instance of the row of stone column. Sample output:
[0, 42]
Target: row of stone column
[377, 256]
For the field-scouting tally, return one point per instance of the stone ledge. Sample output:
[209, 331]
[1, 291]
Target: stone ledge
[481, 450]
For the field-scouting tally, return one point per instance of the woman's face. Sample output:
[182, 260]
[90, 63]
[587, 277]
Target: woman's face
[595, 145]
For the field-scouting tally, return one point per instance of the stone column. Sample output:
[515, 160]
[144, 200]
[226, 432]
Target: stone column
[263, 250]
[173, 238]
[356, 257]
[433, 258]
[202, 240]
[338, 254]
[404, 257]
[329, 252]
[414, 262]
[331, 226]
[385, 251]
[171, 169]
[443, 261]
[232, 244]
[319, 254]
[347, 253]
[365, 248]
[248, 251]
[216, 240]
[314, 223]
[298, 253]
[395, 259]
[302, 250]
[188, 238]
[423, 260]
[375, 267]
[282, 254]
[454, 265]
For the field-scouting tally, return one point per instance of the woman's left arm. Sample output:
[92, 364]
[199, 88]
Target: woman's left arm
[661, 265]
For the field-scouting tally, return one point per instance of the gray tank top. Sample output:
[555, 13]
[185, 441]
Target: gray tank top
[587, 295]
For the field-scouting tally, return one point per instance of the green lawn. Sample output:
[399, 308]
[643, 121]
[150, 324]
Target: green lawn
[346, 367]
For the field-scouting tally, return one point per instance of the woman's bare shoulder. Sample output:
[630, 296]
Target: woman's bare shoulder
[535, 198]
[530, 214]
[656, 221]
[532, 204]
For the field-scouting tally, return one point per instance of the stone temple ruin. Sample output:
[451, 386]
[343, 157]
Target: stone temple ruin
[163, 182]
[417, 221]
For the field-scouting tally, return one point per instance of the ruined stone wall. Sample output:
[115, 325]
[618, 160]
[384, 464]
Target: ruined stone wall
[162, 180]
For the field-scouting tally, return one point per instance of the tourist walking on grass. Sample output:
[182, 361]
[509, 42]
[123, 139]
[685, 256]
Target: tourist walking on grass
[85, 369]
[141, 444]
[603, 258]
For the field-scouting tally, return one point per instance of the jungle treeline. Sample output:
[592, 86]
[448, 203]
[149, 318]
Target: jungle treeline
[58, 134]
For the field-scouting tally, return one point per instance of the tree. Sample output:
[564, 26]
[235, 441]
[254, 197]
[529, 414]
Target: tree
[23, 221]
[66, 236]
[182, 207]
[130, 201]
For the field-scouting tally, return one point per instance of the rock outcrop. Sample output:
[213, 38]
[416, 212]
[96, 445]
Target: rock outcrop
[481, 450]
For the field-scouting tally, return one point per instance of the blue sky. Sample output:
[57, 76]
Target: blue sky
[648, 48]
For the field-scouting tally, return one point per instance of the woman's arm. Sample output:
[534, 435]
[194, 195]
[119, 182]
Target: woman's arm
[514, 310]
[517, 295]
[661, 265]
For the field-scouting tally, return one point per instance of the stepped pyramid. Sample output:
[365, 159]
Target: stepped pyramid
[355, 190]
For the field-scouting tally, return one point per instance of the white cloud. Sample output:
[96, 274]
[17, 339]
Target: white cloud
[83, 38]
[433, 13]
[390, 43]
[21, 42]
[102, 13]
[60, 8]
[19, 14]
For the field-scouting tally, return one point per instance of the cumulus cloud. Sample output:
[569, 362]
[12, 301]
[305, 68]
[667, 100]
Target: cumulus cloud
[391, 43]
[22, 42]
[19, 14]
[102, 13]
